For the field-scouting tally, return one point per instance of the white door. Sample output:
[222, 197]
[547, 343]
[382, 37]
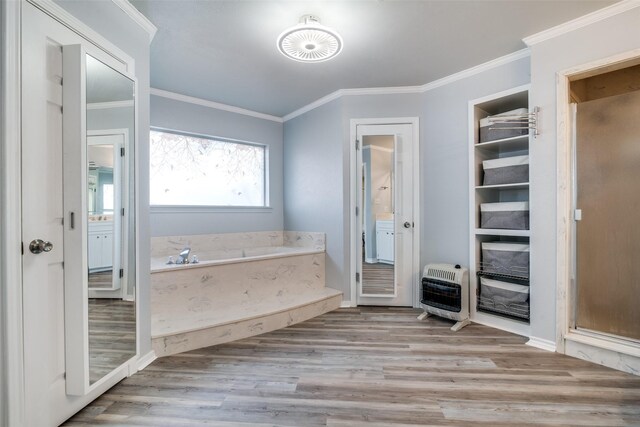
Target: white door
[42, 214]
[46, 401]
[385, 215]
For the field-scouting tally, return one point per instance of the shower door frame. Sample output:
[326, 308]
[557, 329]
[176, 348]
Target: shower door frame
[566, 230]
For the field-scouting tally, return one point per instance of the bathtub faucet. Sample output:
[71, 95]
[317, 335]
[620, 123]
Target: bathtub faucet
[183, 258]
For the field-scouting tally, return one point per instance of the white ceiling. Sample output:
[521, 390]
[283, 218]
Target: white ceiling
[225, 51]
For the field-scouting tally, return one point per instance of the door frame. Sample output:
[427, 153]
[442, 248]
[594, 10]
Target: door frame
[353, 227]
[12, 400]
[122, 230]
[565, 224]
[12, 391]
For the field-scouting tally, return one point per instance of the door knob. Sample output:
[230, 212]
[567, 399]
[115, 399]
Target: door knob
[407, 224]
[38, 246]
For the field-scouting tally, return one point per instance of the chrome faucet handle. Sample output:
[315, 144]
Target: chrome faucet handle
[170, 260]
[194, 259]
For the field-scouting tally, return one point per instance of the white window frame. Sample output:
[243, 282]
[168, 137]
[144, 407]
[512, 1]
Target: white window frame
[217, 208]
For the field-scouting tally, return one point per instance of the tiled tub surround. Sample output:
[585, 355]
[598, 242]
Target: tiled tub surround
[275, 280]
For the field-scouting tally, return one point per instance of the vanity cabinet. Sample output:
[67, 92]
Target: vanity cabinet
[385, 241]
[100, 242]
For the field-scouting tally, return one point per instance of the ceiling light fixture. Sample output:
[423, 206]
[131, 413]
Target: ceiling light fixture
[310, 41]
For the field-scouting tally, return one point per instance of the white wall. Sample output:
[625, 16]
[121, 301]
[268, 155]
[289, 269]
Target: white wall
[614, 35]
[182, 116]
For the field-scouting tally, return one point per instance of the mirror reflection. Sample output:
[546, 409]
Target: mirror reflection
[111, 275]
[378, 240]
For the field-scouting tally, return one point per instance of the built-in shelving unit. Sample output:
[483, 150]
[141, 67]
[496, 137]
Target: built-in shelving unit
[498, 193]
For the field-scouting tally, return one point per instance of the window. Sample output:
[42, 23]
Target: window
[191, 170]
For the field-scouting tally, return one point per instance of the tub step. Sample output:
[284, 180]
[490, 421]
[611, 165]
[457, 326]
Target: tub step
[268, 316]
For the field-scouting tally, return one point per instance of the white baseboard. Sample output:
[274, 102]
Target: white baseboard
[346, 304]
[146, 360]
[542, 344]
[371, 260]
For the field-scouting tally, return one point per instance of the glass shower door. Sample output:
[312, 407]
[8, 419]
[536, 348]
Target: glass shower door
[607, 168]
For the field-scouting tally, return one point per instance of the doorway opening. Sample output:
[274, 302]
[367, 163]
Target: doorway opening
[385, 237]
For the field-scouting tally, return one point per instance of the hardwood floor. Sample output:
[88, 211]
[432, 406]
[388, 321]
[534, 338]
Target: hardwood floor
[371, 367]
[112, 335]
[377, 279]
[101, 280]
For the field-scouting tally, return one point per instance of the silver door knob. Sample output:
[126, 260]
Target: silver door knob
[38, 246]
[407, 224]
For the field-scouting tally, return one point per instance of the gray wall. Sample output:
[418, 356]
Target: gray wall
[182, 116]
[317, 165]
[444, 160]
[313, 176]
[600, 40]
[111, 22]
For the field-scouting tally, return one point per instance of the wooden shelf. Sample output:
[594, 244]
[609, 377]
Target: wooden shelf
[501, 232]
[517, 186]
[516, 143]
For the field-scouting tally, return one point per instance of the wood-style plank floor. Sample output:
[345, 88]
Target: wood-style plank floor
[112, 335]
[371, 367]
[377, 279]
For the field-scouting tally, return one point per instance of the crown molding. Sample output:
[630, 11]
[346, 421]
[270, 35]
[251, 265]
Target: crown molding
[583, 21]
[315, 104]
[137, 17]
[61, 15]
[523, 53]
[485, 66]
[211, 104]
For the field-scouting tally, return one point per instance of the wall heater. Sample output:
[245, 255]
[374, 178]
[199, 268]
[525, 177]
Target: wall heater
[445, 293]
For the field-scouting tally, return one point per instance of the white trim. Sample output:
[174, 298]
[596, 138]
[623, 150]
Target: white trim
[485, 66]
[12, 399]
[315, 104]
[137, 17]
[212, 104]
[112, 104]
[346, 304]
[583, 21]
[353, 239]
[523, 53]
[542, 344]
[146, 360]
[84, 31]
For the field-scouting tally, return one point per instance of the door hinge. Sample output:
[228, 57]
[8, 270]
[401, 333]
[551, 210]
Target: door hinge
[357, 211]
[121, 273]
[21, 248]
[358, 277]
[121, 151]
[122, 211]
[357, 145]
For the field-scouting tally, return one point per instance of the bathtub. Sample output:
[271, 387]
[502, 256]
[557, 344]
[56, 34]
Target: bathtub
[243, 285]
[232, 256]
